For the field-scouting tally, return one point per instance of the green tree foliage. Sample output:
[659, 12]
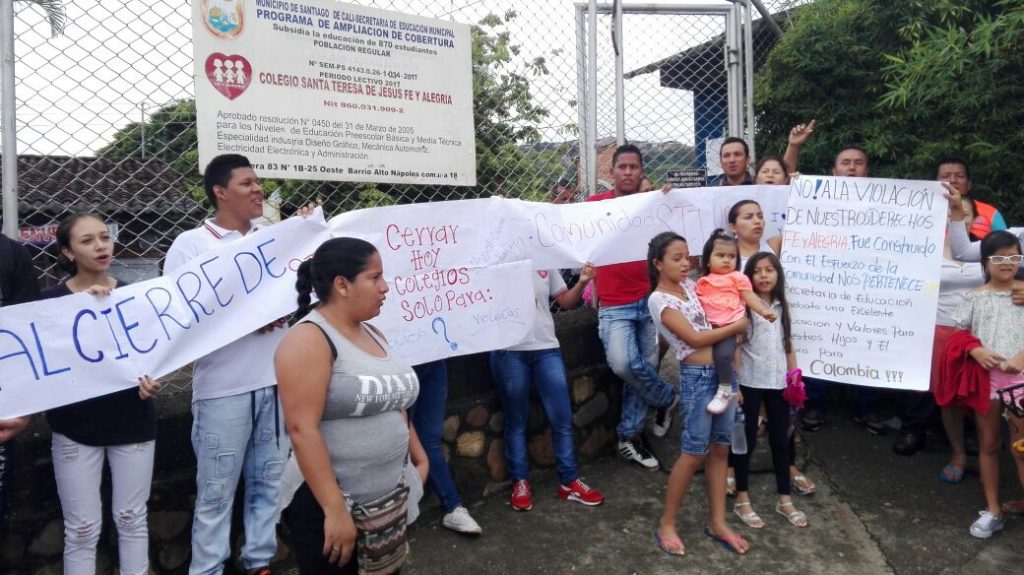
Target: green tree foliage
[962, 78]
[910, 82]
[504, 117]
[55, 14]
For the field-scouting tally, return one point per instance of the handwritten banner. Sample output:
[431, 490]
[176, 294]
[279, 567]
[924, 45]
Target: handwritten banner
[862, 259]
[66, 350]
[618, 230]
[497, 230]
[324, 90]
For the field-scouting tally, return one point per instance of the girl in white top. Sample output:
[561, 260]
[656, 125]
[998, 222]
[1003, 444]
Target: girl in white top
[990, 315]
[766, 356]
[746, 220]
[705, 436]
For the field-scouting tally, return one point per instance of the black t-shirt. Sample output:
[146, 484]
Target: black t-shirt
[17, 277]
[117, 418]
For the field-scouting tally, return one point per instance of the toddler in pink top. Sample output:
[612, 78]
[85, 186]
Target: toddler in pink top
[724, 293]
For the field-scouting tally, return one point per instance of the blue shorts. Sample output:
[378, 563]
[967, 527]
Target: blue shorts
[700, 429]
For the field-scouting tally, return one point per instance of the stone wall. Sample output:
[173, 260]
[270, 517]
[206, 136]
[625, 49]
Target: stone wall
[31, 536]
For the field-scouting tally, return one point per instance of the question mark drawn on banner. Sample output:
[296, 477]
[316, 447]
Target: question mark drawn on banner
[444, 331]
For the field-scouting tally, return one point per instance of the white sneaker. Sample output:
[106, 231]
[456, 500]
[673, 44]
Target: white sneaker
[720, 402]
[460, 521]
[637, 454]
[986, 525]
[663, 418]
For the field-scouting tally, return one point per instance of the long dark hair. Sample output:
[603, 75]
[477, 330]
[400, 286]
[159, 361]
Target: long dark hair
[64, 240]
[734, 211]
[765, 159]
[656, 251]
[778, 293]
[337, 257]
[994, 242]
[709, 246]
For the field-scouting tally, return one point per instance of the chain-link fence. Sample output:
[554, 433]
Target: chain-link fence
[106, 120]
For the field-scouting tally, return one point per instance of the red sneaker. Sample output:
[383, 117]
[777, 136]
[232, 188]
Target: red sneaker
[522, 500]
[579, 491]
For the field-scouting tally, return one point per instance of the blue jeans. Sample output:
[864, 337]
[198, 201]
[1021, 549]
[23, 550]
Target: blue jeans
[428, 419]
[700, 429]
[631, 348]
[513, 372]
[234, 436]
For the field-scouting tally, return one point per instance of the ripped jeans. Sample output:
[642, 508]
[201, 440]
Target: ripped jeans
[78, 469]
[236, 436]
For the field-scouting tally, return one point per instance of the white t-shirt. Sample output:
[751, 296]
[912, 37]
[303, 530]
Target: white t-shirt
[957, 280]
[546, 284]
[691, 310]
[244, 365]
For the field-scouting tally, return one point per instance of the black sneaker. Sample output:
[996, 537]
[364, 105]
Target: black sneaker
[812, 419]
[634, 452]
[663, 418]
[875, 425]
[908, 444]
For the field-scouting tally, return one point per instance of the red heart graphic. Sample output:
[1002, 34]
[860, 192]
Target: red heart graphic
[230, 75]
[543, 274]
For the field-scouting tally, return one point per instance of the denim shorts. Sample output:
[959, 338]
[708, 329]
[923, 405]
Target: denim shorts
[700, 429]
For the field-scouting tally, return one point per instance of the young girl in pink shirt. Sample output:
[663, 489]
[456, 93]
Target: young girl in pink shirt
[724, 293]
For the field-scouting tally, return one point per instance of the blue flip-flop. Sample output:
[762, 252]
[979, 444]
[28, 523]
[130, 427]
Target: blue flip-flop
[661, 544]
[951, 474]
[727, 543]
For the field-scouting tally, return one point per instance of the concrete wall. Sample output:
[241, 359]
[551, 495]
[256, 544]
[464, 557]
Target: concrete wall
[31, 536]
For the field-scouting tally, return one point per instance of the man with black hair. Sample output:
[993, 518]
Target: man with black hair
[627, 331]
[734, 156]
[17, 285]
[237, 424]
[987, 218]
[851, 162]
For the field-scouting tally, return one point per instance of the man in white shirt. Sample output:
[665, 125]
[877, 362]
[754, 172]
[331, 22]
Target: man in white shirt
[237, 427]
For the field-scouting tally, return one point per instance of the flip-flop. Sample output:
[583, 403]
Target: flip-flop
[807, 488]
[671, 541]
[729, 543]
[951, 474]
[1015, 507]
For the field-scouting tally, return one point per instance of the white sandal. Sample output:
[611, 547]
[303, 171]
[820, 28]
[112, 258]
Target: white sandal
[730, 486]
[796, 517]
[751, 519]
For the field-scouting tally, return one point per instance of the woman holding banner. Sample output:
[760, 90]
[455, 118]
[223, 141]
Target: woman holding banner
[345, 397]
[537, 363]
[119, 427]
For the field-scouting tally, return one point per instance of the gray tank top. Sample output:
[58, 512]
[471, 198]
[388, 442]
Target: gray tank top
[366, 435]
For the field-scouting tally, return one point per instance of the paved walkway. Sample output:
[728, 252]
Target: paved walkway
[875, 512]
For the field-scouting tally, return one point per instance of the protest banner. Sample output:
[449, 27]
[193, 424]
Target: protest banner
[323, 90]
[618, 230]
[79, 346]
[460, 282]
[862, 260]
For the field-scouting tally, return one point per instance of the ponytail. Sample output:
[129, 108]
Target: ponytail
[337, 257]
[304, 285]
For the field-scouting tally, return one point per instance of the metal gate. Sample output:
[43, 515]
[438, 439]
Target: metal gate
[667, 78]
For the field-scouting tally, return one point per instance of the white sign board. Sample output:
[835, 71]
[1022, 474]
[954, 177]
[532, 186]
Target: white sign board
[322, 90]
[863, 260]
